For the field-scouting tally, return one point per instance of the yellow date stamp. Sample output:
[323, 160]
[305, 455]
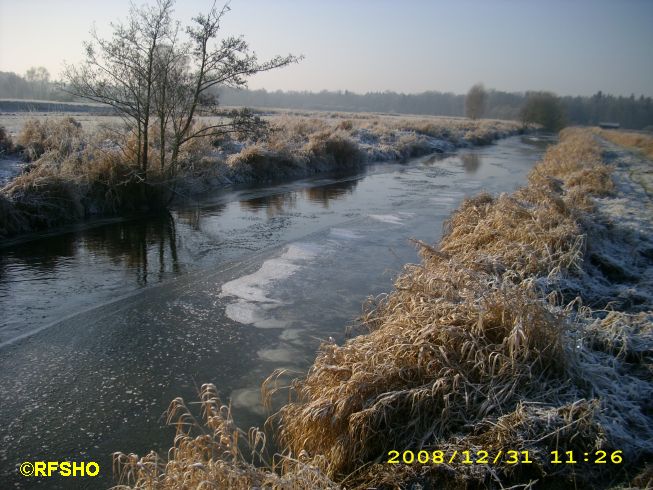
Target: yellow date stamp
[511, 457]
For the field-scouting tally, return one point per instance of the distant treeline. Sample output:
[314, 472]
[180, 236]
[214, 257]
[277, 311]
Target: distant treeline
[35, 84]
[630, 112]
[52, 105]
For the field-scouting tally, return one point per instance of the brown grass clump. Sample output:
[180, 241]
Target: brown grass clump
[42, 198]
[336, 148]
[37, 137]
[535, 231]
[577, 161]
[296, 147]
[639, 141]
[258, 163]
[449, 348]
[77, 175]
[473, 351]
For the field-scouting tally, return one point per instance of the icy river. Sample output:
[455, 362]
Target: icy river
[102, 327]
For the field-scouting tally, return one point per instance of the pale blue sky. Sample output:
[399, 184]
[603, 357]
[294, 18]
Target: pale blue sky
[569, 47]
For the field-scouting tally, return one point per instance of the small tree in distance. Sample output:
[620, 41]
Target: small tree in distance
[39, 78]
[157, 75]
[543, 108]
[475, 101]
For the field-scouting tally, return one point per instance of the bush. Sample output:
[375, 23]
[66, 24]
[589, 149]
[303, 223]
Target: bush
[543, 108]
[336, 147]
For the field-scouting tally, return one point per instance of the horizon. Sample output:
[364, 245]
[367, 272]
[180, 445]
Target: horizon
[572, 49]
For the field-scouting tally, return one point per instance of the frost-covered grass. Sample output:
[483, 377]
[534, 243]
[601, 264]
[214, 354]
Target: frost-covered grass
[488, 345]
[301, 144]
[71, 175]
[481, 347]
[639, 141]
[76, 173]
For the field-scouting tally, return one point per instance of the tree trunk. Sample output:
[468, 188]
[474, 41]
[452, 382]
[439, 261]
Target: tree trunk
[146, 125]
[162, 128]
[138, 144]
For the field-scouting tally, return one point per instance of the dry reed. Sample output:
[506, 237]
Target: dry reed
[639, 141]
[473, 344]
[214, 454]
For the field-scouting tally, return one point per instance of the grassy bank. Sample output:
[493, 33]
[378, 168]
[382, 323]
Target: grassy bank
[638, 141]
[75, 174]
[527, 328]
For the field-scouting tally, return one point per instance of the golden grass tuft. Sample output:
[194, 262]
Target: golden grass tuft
[214, 453]
[448, 348]
[639, 141]
[37, 137]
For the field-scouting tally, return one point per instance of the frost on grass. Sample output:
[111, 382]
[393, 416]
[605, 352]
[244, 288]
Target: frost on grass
[490, 344]
[76, 174]
[510, 335]
[213, 452]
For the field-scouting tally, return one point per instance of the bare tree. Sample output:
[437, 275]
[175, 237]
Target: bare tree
[39, 78]
[156, 74]
[120, 71]
[475, 101]
[227, 63]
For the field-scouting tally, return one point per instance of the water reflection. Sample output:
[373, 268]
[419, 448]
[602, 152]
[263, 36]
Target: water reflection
[277, 204]
[471, 162]
[435, 158]
[43, 255]
[273, 205]
[324, 194]
[145, 247]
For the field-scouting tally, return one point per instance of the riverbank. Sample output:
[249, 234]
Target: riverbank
[78, 175]
[527, 329]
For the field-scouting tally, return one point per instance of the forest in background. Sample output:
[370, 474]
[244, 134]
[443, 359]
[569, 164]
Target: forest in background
[633, 112]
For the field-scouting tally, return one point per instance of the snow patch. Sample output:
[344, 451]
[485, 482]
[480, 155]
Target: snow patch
[393, 219]
[253, 303]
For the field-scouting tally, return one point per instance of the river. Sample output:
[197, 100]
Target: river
[103, 326]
